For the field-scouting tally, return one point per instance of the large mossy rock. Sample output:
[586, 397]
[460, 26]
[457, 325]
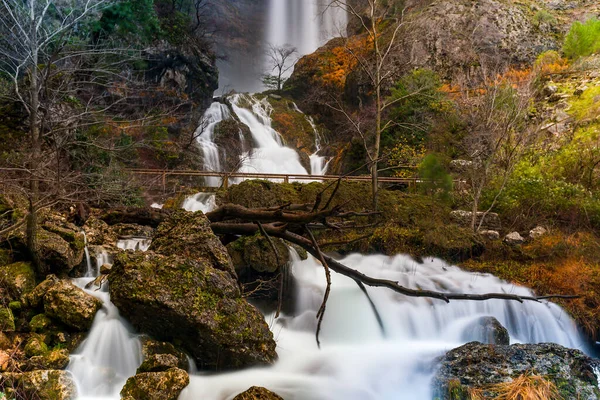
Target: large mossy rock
[39, 385]
[257, 393]
[17, 279]
[71, 305]
[60, 252]
[479, 366]
[188, 300]
[156, 385]
[256, 253]
[188, 235]
[7, 320]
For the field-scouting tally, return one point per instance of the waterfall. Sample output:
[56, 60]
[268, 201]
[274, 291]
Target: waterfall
[111, 353]
[204, 202]
[356, 360]
[304, 24]
[216, 113]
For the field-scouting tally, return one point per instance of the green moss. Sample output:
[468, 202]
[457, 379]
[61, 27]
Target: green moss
[15, 306]
[39, 323]
[18, 278]
[35, 346]
[7, 320]
[587, 105]
[5, 256]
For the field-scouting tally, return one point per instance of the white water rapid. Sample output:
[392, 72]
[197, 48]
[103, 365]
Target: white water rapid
[111, 353]
[357, 361]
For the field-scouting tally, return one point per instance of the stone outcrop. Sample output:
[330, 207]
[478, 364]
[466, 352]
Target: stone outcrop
[175, 298]
[161, 356]
[257, 393]
[156, 385]
[188, 235]
[479, 366]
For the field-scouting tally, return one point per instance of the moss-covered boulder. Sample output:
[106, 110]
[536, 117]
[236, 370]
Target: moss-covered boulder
[189, 301]
[156, 385]
[58, 255]
[17, 278]
[257, 393]
[39, 385]
[189, 235]
[487, 330]
[256, 253]
[35, 298]
[51, 359]
[161, 356]
[35, 346]
[5, 342]
[477, 366]
[39, 323]
[99, 232]
[70, 305]
[7, 320]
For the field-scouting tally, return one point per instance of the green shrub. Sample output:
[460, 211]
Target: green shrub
[543, 17]
[583, 39]
[436, 179]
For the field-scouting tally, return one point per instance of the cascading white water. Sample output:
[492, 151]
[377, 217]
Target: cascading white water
[216, 113]
[270, 155]
[88, 260]
[357, 361]
[112, 352]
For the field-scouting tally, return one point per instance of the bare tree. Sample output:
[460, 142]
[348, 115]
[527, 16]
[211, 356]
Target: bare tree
[499, 131]
[382, 23]
[281, 60]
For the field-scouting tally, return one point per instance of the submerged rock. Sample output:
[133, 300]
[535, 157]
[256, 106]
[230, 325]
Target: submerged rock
[71, 305]
[477, 366]
[160, 356]
[486, 330]
[257, 393]
[188, 300]
[39, 384]
[156, 385]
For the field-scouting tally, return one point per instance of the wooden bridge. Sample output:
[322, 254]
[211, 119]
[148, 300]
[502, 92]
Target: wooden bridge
[225, 178]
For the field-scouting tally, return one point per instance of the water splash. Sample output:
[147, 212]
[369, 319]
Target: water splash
[140, 243]
[356, 361]
[204, 202]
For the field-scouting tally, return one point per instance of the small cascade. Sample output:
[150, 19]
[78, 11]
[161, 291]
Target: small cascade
[216, 113]
[270, 155]
[318, 164]
[112, 352]
[204, 202]
[139, 243]
[356, 361]
[88, 261]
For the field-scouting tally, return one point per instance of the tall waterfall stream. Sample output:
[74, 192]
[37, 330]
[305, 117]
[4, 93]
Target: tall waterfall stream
[357, 360]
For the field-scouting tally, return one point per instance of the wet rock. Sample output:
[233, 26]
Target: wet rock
[105, 269]
[463, 218]
[17, 278]
[477, 366]
[7, 320]
[257, 393]
[188, 235]
[537, 232]
[99, 232]
[160, 356]
[190, 301]
[514, 239]
[39, 385]
[156, 385]
[487, 330]
[71, 305]
[490, 235]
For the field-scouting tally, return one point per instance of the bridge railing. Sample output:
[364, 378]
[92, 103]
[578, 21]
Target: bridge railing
[227, 177]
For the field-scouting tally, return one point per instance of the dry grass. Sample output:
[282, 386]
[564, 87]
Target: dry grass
[526, 387]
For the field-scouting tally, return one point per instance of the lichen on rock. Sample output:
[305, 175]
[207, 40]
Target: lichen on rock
[71, 305]
[156, 385]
